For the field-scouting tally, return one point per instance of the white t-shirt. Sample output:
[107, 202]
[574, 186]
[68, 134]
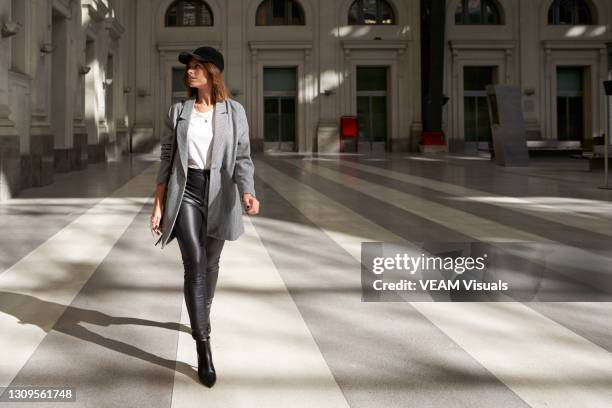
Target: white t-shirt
[199, 136]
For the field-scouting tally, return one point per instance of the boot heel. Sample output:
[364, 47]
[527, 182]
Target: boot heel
[206, 368]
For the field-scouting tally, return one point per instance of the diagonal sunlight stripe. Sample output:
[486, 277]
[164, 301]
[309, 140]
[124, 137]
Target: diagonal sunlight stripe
[525, 205]
[543, 362]
[263, 351]
[469, 224]
[57, 270]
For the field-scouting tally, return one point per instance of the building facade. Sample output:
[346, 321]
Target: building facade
[62, 98]
[555, 51]
[297, 67]
[84, 81]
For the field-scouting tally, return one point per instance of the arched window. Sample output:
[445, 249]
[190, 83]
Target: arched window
[571, 12]
[189, 13]
[472, 12]
[279, 12]
[371, 12]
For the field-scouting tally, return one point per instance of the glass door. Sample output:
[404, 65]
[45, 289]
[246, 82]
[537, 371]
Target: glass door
[570, 103]
[372, 108]
[279, 109]
[477, 124]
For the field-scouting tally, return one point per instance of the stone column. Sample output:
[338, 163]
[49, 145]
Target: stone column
[10, 162]
[41, 137]
[142, 137]
[61, 106]
[327, 94]
[78, 61]
[529, 54]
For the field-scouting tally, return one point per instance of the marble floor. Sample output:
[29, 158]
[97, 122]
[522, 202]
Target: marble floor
[88, 302]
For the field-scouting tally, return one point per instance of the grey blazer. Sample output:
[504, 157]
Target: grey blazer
[231, 169]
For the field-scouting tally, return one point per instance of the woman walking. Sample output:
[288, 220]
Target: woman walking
[204, 180]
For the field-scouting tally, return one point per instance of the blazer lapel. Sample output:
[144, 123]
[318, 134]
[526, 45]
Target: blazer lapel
[181, 129]
[220, 132]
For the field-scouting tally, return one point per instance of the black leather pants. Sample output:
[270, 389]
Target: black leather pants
[200, 253]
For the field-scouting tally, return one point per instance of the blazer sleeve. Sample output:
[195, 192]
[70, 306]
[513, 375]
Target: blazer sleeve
[167, 147]
[243, 168]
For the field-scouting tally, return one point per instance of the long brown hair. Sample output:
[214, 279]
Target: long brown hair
[219, 91]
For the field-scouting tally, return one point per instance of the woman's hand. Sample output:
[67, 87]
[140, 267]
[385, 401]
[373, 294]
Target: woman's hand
[155, 220]
[251, 204]
[158, 209]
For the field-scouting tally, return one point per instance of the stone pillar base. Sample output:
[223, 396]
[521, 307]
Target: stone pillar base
[25, 177]
[415, 139]
[64, 160]
[80, 151]
[42, 160]
[400, 145]
[143, 140]
[328, 137]
[110, 149]
[123, 146]
[96, 153]
[10, 167]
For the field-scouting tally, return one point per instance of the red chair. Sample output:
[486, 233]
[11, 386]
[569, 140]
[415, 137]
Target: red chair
[349, 130]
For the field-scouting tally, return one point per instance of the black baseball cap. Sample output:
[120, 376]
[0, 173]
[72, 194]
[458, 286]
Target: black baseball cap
[204, 54]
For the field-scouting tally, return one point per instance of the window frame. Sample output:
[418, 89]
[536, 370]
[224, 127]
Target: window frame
[360, 18]
[178, 4]
[554, 12]
[465, 19]
[267, 7]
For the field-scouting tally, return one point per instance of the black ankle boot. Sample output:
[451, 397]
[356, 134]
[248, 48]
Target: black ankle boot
[206, 369]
